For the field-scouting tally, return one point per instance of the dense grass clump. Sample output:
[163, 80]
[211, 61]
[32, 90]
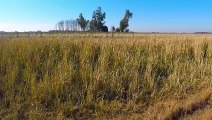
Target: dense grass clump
[74, 77]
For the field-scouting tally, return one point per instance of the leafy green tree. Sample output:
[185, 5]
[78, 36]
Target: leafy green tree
[124, 23]
[82, 21]
[91, 23]
[98, 19]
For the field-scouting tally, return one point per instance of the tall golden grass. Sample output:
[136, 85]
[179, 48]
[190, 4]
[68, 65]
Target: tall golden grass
[80, 78]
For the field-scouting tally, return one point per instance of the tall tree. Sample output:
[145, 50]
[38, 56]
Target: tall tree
[67, 25]
[92, 25]
[124, 23]
[98, 19]
[60, 25]
[82, 22]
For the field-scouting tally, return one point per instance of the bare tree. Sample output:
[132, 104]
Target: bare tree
[68, 25]
[60, 26]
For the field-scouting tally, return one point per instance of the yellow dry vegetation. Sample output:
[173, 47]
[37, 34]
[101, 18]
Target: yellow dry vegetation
[147, 76]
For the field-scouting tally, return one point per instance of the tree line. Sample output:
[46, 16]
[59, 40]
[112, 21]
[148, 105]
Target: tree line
[96, 24]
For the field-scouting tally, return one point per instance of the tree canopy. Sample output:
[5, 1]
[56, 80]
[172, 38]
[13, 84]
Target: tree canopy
[124, 23]
[82, 21]
[98, 19]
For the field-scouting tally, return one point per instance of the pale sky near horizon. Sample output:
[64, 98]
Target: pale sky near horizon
[148, 15]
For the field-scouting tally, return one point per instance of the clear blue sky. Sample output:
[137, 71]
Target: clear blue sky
[148, 15]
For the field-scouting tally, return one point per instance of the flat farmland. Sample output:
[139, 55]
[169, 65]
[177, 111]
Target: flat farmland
[129, 76]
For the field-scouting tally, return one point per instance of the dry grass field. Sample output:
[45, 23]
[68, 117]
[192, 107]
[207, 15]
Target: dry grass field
[149, 77]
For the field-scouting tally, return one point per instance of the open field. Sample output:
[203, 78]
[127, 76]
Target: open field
[150, 76]
[69, 34]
